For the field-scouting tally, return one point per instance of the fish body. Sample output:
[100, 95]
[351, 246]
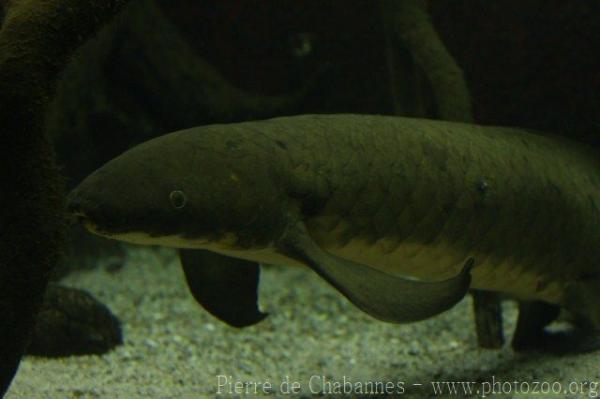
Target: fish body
[408, 198]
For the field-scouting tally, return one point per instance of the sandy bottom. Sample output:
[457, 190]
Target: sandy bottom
[313, 342]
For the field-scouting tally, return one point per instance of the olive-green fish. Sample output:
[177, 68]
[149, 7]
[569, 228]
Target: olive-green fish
[400, 215]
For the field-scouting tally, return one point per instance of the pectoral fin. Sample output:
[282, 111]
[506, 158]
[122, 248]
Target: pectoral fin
[226, 287]
[383, 296]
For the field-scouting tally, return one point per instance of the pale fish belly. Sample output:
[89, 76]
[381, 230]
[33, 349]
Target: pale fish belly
[434, 262]
[427, 263]
[439, 261]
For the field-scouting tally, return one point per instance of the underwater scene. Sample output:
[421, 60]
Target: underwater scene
[354, 199]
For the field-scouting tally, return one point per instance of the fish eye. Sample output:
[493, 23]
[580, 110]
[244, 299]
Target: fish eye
[178, 199]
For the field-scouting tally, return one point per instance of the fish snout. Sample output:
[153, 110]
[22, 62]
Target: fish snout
[87, 209]
[75, 205]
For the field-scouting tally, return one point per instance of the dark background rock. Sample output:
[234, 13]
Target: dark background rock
[72, 322]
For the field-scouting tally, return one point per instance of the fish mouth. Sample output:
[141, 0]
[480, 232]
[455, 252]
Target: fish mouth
[82, 219]
[89, 226]
[76, 217]
[95, 229]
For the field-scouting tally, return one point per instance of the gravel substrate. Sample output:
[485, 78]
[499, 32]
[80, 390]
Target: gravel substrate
[174, 349]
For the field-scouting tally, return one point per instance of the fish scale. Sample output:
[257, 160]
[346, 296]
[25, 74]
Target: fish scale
[519, 228]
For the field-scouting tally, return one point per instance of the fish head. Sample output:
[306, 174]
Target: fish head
[185, 189]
